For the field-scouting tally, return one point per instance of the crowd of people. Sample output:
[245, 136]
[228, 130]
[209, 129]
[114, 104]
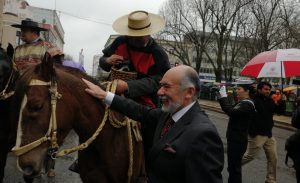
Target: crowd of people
[181, 144]
[250, 128]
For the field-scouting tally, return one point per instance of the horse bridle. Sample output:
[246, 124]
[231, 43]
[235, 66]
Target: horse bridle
[3, 94]
[51, 134]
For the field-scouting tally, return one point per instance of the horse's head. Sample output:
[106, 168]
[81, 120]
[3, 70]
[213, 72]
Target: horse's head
[31, 119]
[47, 106]
[5, 65]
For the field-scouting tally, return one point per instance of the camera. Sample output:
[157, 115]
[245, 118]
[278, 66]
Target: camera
[215, 89]
[124, 66]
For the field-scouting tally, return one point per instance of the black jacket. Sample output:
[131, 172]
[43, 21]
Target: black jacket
[147, 83]
[240, 117]
[152, 64]
[263, 118]
[192, 150]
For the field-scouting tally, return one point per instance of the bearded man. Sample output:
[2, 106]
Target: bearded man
[186, 146]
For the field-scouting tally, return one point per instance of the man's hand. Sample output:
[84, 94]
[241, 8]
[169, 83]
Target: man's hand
[114, 59]
[94, 90]
[122, 87]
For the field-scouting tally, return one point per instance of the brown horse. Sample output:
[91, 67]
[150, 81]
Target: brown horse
[106, 159]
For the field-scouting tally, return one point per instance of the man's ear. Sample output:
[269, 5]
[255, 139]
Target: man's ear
[190, 92]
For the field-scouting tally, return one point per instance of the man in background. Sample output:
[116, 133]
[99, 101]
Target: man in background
[260, 130]
[33, 49]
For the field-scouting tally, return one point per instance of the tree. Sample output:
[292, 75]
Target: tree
[228, 33]
[224, 17]
[291, 19]
[269, 24]
[175, 29]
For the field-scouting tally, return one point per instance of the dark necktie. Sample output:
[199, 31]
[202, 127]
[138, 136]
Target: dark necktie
[168, 123]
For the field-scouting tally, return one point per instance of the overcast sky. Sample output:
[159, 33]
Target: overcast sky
[89, 35]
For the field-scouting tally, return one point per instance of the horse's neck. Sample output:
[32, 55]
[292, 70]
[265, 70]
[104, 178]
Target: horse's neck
[87, 110]
[88, 116]
[90, 119]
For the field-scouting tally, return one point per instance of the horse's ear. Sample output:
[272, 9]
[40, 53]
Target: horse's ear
[10, 50]
[47, 70]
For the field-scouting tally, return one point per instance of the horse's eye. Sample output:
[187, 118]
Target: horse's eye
[35, 107]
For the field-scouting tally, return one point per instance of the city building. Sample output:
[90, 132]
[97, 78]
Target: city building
[188, 54]
[50, 19]
[14, 11]
[97, 72]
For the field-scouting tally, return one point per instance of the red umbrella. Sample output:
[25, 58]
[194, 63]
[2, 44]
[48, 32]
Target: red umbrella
[281, 63]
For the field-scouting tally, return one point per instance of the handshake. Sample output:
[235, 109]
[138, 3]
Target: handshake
[222, 92]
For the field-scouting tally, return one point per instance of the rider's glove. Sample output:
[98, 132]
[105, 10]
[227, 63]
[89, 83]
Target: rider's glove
[222, 92]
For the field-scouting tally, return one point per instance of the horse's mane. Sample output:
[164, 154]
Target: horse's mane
[5, 56]
[2, 53]
[6, 65]
[67, 75]
[8, 53]
[76, 72]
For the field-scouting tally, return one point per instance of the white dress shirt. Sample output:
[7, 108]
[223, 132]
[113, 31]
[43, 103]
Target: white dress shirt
[176, 116]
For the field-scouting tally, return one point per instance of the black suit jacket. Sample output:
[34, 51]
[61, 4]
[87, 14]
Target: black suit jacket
[240, 117]
[191, 152]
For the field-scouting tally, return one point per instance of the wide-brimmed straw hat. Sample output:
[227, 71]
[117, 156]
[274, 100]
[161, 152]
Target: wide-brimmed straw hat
[28, 23]
[139, 23]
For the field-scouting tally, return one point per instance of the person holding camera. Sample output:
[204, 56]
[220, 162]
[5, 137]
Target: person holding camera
[138, 49]
[240, 117]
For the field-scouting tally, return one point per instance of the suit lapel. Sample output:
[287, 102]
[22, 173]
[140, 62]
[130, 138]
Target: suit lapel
[174, 132]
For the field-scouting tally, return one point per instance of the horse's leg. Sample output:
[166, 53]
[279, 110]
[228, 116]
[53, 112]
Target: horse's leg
[139, 174]
[90, 171]
[4, 136]
[4, 147]
[49, 167]
[74, 167]
[3, 156]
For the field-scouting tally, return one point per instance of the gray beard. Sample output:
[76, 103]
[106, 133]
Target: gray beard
[172, 108]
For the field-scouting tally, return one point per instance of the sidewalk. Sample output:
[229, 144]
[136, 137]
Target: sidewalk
[279, 121]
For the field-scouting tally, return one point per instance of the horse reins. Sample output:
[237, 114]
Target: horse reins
[3, 94]
[51, 134]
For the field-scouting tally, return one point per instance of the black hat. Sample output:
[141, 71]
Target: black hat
[28, 23]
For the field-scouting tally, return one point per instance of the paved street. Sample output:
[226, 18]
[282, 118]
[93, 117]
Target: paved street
[254, 172]
[63, 175]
